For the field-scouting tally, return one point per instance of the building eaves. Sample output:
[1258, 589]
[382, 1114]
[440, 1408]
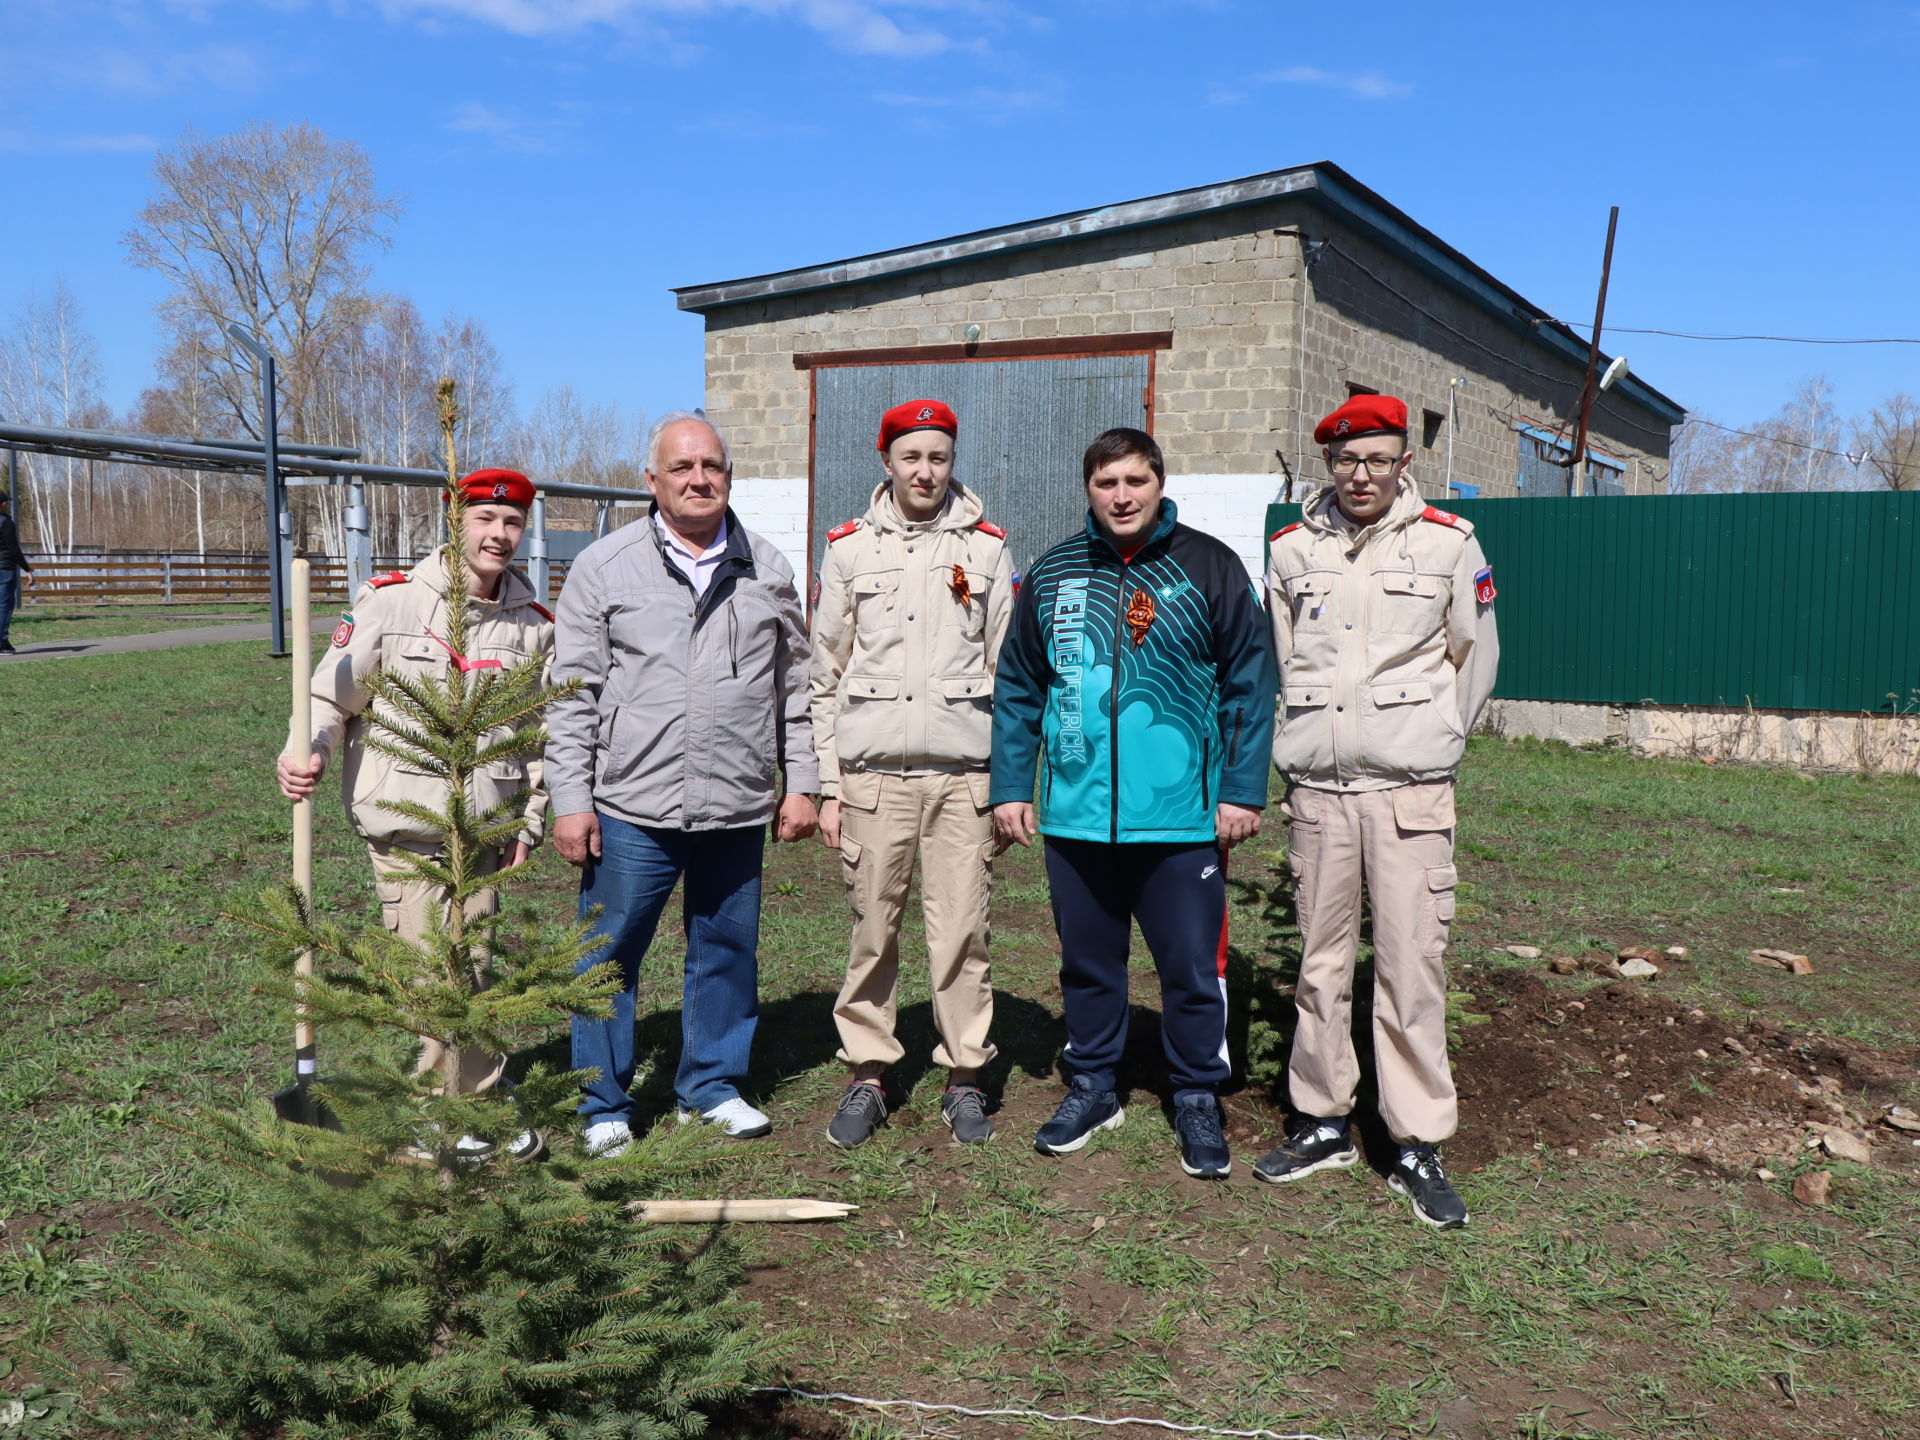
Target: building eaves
[1322, 184]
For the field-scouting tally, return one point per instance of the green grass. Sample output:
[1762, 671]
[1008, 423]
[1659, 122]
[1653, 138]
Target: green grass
[37, 624]
[1646, 1296]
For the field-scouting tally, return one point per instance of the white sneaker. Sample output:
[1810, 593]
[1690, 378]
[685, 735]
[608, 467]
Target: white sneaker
[467, 1150]
[608, 1138]
[735, 1117]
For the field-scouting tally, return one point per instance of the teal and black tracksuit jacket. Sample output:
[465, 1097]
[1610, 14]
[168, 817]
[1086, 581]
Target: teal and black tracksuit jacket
[1142, 691]
[1136, 741]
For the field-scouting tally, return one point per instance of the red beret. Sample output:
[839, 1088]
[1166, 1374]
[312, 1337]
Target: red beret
[916, 415]
[1363, 415]
[495, 487]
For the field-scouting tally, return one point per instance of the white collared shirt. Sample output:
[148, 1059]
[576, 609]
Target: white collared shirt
[697, 565]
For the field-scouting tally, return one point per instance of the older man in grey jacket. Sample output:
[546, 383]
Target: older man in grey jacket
[686, 633]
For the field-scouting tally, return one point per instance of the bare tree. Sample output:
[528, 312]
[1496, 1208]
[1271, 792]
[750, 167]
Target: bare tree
[50, 371]
[1890, 438]
[268, 228]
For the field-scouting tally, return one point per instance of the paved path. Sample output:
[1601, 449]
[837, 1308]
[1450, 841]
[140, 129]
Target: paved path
[257, 630]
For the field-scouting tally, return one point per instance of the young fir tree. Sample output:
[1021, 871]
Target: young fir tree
[373, 1283]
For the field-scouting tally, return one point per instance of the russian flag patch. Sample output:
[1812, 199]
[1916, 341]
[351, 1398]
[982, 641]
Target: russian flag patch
[1483, 590]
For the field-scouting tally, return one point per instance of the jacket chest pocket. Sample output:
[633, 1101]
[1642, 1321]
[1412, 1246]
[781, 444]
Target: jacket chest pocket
[1312, 597]
[966, 592]
[414, 655]
[876, 604]
[1410, 602]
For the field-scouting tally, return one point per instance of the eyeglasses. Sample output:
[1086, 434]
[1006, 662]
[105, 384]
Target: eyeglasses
[1378, 466]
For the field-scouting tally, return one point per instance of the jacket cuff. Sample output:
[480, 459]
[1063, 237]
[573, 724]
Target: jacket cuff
[571, 799]
[803, 777]
[1010, 793]
[1250, 799]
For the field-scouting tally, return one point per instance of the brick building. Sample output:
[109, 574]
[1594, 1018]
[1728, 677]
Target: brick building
[1225, 319]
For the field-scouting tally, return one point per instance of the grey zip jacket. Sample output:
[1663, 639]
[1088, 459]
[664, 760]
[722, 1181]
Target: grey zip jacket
[687, 711]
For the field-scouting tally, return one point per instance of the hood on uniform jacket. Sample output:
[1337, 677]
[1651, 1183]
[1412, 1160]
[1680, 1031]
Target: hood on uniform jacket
[962, 511]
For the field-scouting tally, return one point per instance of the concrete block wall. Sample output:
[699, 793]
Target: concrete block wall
[1235, 398]
[776, 509]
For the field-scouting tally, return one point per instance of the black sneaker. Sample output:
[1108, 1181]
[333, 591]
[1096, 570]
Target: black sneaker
[1084, 1111]
[1313, 1145]
[1203, 1145]
[862, 1110]
[964, 1108]
[1418, 1176]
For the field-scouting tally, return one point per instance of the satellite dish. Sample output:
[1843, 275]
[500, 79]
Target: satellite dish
[1614, 371]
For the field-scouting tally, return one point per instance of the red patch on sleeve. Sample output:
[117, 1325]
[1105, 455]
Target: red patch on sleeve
[343, 632]
[1285, 530]
[1440, 517]
[392, 577]
[991, 529]
[840, 532]
[1483, 590]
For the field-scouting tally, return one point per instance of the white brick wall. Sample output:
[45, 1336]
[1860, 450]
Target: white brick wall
[776, 510]
[1231, 508]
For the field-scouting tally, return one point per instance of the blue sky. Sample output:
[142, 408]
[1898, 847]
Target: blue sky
[565, 161]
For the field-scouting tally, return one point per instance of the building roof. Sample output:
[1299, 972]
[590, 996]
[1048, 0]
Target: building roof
[1322, 183]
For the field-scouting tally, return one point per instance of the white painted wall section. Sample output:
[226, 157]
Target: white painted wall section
[776, 510]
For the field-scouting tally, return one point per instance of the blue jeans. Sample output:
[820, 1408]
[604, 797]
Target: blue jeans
[9, 597]
[720, 1002]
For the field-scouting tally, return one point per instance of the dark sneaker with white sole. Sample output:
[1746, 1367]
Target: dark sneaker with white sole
[1084, 1111]
[1418, 1176]
[1203, 1144]
[1314, 1144]
[862, 1110]
[964, 1108]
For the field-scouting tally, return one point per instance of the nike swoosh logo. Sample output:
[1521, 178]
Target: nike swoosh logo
[1208, 871]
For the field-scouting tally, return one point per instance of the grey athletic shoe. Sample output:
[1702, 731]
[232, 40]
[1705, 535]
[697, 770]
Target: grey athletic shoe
[964, 1108]
[1314, 1145]
[862, 1110]
[1418, 1176]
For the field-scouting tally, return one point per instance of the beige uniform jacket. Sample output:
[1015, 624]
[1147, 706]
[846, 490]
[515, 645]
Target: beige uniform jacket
[903, 658]
[392, 627]
[1386, 642]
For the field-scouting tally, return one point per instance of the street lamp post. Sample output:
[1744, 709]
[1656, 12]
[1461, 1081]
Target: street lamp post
[277, 529]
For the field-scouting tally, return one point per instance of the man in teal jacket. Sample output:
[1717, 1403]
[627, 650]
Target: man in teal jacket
[1138, 678]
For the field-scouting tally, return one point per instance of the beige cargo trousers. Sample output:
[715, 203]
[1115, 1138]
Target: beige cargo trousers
[407, 909]
[1400, 841]
[885, 821]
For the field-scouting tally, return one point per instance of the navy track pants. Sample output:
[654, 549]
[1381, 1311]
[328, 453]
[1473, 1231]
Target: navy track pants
[1178, 893]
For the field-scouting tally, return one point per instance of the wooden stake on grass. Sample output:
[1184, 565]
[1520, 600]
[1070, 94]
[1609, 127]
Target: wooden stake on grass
[706, 1212]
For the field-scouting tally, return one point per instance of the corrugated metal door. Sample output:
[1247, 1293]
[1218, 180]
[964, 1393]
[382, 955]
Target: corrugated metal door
[1023, 427]
[1786, 602]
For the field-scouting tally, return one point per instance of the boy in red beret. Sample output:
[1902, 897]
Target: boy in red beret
[1382, 612]
[914, 600]
[399, 622]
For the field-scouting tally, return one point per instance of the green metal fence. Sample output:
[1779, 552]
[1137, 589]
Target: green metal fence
[1795, 602]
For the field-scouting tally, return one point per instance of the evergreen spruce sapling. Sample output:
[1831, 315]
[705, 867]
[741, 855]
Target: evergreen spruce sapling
[373, 1283]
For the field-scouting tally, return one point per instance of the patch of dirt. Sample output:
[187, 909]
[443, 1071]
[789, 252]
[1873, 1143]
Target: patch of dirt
[1624, 1067]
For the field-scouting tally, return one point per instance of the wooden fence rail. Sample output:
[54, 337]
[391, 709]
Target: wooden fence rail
[186, 580]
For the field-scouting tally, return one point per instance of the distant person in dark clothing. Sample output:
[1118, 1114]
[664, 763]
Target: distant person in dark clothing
[13, 565]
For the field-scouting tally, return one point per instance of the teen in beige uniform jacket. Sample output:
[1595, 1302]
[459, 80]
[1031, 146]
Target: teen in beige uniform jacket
[1387, 656]
[906, 631]
[398, 624]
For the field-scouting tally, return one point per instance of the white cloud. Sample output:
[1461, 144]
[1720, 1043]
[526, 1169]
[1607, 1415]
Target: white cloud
[983, 102]
[506, 130]
[1367, 84]
[861, 26]
[26, 142]
[146, 74]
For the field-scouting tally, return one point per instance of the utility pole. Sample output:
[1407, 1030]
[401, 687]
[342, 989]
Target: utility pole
[1576, 462]
[278, 530]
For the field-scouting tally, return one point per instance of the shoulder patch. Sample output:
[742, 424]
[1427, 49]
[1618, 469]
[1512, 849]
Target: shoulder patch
[991, 529]
[1285, 530]
[392, 577]
[343, 632]
[544, 613]
[840, 532]
[1440, 517]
